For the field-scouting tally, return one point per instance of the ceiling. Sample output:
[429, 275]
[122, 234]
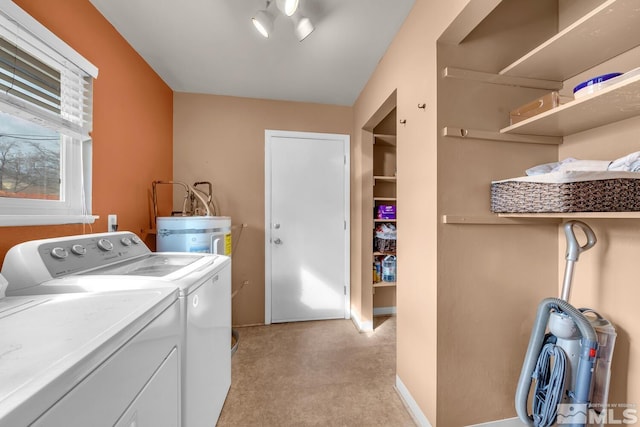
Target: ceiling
[211, 46]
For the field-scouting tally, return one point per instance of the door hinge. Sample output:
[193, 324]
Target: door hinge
[345, 290]
[345, 224]
[345, 159]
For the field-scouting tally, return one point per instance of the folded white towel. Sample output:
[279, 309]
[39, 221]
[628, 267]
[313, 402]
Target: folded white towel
[584, 165]
[629, 163]
[569, 164]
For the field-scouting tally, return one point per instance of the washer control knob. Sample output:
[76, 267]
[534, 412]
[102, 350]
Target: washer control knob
[78, 249]
[136, 240]
[105, 245]
[125, 241]
[59, 253]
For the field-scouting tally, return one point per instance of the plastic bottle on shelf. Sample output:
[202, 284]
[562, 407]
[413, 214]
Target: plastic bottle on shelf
[389, 268]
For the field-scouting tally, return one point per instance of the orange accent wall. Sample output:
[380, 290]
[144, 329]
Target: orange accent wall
[132, 125]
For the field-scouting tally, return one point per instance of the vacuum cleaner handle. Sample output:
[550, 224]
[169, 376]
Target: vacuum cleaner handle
[573, 247]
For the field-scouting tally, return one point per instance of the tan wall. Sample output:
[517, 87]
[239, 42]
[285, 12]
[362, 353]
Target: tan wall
[467, 294]
[221, 139]
[409, 66]
[490, 276]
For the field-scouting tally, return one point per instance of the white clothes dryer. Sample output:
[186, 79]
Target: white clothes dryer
[92, 359]
[121, 261]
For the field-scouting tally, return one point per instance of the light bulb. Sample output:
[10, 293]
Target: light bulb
[288, 7]
[263, 21]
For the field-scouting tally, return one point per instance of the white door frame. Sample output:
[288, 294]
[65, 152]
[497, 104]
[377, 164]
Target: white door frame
[268, 134]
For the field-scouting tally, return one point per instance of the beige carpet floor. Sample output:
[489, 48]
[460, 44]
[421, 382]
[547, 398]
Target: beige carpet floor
[320, 373]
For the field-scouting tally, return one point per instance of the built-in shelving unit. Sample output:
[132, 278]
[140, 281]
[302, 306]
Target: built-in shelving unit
[603, 33]
[384, 193]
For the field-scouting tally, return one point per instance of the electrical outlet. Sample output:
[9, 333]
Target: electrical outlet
[112, 222]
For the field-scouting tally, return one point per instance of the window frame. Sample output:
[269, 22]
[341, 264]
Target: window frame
[74, 205]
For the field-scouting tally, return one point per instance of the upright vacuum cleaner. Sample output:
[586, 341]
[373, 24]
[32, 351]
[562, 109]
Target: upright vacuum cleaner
[569, 363]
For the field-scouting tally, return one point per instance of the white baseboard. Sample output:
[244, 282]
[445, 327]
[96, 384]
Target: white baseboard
[412, 405]
[508, 422]
[384, 311]
[422, 421]
[361, 326]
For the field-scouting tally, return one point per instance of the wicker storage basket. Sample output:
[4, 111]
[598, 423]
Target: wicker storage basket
[606, 195]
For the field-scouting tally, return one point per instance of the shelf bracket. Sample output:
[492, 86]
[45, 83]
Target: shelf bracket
[499, 79]
[501, 137]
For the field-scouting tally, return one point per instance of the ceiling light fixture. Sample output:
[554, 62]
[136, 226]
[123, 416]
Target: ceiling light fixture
[263, 20]
[288, 7]
[302, 26]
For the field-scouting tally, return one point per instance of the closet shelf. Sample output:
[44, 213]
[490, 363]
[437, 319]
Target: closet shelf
[607, 31]
[384, 199]
[484, 135]
[384, 284]
[568, 215]
[378, 253]
[493, 219]
[384, 178]
[384, 139]
[614, 103]
[500, 79]
[533, 218]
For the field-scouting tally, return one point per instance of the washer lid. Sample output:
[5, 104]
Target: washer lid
[151, 265]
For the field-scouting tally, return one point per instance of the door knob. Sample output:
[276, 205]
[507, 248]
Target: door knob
[277, 241]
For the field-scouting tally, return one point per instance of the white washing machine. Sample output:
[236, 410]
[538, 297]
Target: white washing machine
[121, 261]
[92, 359]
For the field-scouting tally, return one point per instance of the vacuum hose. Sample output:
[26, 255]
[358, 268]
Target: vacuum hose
[585, 365]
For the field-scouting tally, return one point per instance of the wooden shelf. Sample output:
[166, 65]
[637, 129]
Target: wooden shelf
[498, 219]
[384, 220]
[384, 199]
[568, 215]
[533, 218]
[384, 178]
[383, 139]
[473, 134]
[384, 284]
[611, 104]
[607, 31]
[383, 253]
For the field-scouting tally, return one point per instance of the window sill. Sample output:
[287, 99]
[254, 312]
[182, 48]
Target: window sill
[24, 220]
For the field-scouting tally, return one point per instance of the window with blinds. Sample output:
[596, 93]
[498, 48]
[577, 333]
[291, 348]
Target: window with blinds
[45, 122]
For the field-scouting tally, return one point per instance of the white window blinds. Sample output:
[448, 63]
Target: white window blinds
[41, 74]
[45, 124]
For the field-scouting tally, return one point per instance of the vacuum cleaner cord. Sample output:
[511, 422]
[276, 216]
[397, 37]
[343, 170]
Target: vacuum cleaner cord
[549, 384]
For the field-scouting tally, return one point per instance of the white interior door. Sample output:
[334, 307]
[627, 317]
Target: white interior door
[306, 226]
